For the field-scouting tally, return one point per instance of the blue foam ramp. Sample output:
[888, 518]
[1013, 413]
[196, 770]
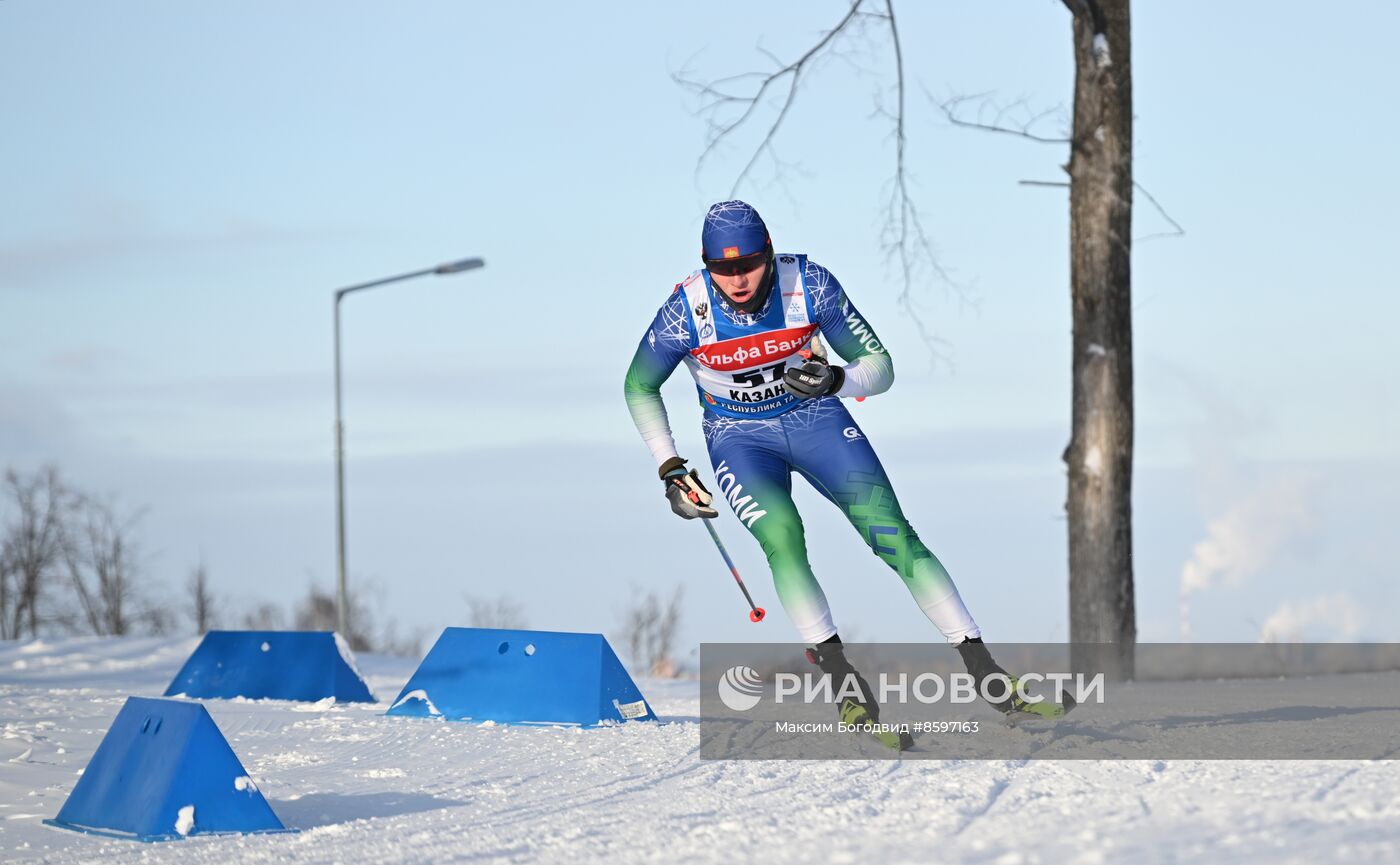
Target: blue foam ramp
[271, 665]
[164, 771]
[522, 677]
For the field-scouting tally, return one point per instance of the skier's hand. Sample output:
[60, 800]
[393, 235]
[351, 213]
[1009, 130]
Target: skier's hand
[814, 378]
[688, 497]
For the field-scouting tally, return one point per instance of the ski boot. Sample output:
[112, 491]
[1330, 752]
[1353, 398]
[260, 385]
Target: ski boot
[830, 656]
[980, 664]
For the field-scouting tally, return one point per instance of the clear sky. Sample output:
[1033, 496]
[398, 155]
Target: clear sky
[182, 186]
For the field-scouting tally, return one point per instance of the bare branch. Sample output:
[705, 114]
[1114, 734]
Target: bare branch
[950, 108]
[1178, 232]
[901, 203]
[904, 234]
[904, 240]
[715, 98]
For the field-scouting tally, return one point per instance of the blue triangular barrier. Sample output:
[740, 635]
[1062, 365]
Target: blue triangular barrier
[522, 677]
[165, 771]
[275, 665]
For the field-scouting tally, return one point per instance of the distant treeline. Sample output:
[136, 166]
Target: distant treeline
[71, 564]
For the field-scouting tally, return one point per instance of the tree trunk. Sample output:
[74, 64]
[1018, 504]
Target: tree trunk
[1100, 452]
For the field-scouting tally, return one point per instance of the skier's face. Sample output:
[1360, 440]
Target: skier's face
[739, 284]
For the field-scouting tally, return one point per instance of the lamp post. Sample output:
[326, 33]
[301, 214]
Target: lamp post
[341, 605]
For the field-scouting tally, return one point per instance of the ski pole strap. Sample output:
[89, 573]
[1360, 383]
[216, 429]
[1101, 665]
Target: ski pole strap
[674, 464]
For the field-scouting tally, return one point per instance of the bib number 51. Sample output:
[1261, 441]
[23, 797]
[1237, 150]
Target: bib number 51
[755, 378]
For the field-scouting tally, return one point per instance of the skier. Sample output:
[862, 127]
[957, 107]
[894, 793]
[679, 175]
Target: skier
[746, 326]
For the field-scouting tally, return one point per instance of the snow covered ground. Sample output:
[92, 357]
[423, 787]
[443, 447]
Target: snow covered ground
[365, 788]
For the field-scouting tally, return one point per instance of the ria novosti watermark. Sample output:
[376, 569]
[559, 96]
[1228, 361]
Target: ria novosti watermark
[1188, 701]
[741, 688]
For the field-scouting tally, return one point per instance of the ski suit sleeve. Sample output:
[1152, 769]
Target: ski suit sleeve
[661, 349]
[869, 369]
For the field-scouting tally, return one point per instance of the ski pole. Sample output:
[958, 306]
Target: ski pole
[756, 613]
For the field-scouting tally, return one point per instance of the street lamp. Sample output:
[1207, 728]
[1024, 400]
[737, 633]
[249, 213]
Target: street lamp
[341, 607]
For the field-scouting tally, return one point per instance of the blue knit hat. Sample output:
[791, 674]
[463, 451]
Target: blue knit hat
[733, 229]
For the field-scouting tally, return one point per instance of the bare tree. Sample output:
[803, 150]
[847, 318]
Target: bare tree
[390, 642]
[9, 578]
[499, 612]
[103, 565]
[32, 549]
[317, 612]
[265, 616]
[649, 629]
[60, 538]
[201, 599]
[1100, 453]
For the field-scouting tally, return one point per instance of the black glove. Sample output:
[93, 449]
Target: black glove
[814, 378]
[688, 497]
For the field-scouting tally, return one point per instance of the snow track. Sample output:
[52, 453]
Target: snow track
[366, 788]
